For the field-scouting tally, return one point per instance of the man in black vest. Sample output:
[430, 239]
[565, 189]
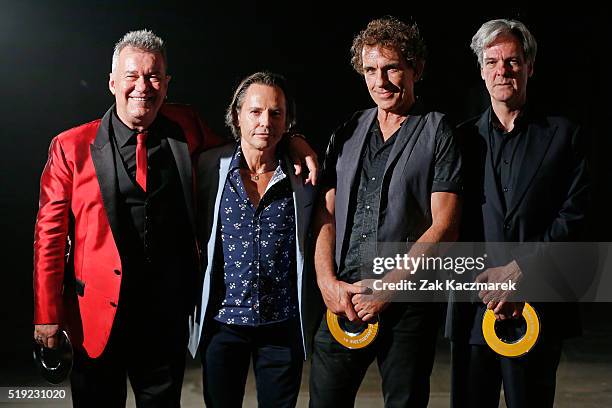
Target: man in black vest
[525, 182]
[391, 174]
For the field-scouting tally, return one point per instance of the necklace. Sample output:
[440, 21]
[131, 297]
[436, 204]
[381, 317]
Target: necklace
[255, 175]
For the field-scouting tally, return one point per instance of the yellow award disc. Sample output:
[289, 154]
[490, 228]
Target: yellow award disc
[516, 348]
[351, 335]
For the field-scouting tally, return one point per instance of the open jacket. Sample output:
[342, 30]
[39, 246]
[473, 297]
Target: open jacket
[212, 173]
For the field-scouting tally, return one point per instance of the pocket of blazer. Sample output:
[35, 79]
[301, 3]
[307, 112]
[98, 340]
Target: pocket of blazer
[351, 335]
[516, 348]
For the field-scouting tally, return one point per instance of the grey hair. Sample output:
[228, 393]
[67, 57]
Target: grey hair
[144, 40]
[490, 30]
[262, 78]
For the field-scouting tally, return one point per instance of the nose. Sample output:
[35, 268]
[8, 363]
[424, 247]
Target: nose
[142, 84]
[503, 68]
[264, 118]
[381, 78]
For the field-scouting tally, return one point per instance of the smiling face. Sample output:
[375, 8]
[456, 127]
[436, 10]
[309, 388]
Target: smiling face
[139, 83]
[389, 78]
[506, 71]
[262, 117]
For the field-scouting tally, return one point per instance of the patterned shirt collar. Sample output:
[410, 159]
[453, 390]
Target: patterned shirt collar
[238, 162]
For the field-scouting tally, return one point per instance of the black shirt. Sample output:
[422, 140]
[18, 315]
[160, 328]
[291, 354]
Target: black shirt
[507, 153]
[125, 140]
[362, 240]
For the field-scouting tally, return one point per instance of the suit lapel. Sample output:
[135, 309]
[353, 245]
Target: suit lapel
[354, 147]
[538, 141]
[218, 174]
[300, 201]
[346, 178]
[491, 190]
[180, 151]
[214, 198]
[102, 156]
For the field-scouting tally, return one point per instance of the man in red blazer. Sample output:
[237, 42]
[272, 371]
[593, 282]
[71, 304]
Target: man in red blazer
[116, 208]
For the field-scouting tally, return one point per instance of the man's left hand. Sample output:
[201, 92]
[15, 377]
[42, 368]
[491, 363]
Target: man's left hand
[369, 305]
[506, 310]
[510, 272]
[301, 153]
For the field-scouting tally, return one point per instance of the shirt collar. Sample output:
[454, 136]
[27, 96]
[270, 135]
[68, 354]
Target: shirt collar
[238, 160]
[519, 123]
[123, 134]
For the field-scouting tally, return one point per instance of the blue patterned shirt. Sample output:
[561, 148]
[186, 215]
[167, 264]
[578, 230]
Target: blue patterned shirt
[258, 246]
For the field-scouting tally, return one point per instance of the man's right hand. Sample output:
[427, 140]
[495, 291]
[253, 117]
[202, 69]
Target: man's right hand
[506, 310]
[46, 335]
[337, 296]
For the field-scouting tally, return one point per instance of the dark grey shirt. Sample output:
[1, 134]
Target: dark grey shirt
[364, 223]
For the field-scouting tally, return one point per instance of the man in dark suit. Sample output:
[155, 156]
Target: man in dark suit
[119, 192]
[525, 181]
[391, 174]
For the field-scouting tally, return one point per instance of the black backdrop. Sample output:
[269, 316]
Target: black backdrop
[55, 59]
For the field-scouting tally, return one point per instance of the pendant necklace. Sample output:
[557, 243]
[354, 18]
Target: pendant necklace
[255, 176]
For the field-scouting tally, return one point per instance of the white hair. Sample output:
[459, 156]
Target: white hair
[490, 30]
[144, 40]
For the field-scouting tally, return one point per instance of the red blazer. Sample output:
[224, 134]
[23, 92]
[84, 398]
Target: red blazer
[77, 206]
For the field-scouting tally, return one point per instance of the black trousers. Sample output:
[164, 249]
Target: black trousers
[529, 381]
[151, 355]
[404, 351]
[277, 354]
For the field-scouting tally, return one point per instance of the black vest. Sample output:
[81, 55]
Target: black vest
[156, 244]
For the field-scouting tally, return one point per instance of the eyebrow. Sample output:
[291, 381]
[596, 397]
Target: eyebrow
[392, 65]
[150, 73]
[388, 66]
[509, 57]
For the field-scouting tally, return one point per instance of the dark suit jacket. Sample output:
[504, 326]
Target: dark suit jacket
[548, 205]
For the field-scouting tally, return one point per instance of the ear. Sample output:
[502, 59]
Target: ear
[111, 83]
[530, 68]
[482, 75]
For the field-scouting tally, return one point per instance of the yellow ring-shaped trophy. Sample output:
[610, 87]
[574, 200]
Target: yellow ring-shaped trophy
[519, 347]
[351, 339]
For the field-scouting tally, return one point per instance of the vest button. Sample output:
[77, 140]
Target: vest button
[113, 304]
[117, 272]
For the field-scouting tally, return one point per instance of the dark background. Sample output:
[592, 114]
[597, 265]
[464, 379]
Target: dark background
[55, 59]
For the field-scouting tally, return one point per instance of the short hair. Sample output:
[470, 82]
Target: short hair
[262, 78]
[144, 40]
[492, 29]
[389, 32]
